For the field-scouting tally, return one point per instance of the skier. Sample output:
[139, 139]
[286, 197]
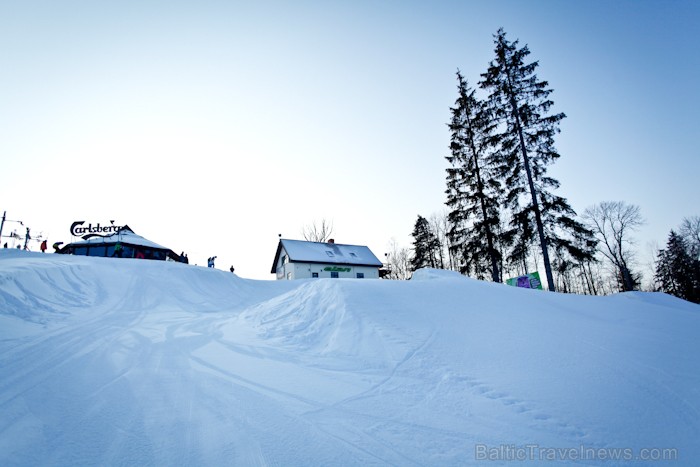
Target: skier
[43, 246]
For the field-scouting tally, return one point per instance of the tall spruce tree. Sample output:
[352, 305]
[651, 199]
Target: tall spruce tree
[425, 245]
[520, 103]
[677, 271]
[472, 191]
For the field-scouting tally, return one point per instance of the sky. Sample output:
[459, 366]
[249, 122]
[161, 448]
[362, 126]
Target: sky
[213, 127]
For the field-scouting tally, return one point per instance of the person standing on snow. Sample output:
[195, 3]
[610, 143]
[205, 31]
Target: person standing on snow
[43, 246]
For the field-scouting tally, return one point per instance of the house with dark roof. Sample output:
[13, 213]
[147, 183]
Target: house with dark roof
[298, 259]
[130, 244]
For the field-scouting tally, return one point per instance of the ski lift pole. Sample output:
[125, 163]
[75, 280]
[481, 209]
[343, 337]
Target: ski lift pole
[5, 219]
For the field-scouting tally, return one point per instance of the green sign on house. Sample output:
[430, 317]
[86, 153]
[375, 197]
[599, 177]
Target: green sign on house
[336, 269]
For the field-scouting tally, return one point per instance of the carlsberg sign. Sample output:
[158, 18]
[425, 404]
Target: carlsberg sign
[79, 229]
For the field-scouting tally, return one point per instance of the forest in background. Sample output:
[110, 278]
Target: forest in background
[504, 217]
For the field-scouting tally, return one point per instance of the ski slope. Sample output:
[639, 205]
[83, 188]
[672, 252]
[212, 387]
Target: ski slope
[134, 362]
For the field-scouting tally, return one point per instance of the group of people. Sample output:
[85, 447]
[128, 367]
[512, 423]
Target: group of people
[19, 247]
[42, 247]
[118, 249]
[210, 263]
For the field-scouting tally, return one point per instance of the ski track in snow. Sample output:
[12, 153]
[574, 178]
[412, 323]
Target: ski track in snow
[123, 362]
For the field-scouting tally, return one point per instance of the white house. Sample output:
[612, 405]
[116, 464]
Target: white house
[298, 259]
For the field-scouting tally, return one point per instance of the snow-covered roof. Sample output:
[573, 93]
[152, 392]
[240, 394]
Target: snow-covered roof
[125, 236]
[301, 251]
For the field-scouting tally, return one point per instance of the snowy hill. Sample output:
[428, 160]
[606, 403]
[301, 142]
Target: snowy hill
[134, 362]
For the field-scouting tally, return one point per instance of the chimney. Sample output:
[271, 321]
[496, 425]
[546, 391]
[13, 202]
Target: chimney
[331, 240]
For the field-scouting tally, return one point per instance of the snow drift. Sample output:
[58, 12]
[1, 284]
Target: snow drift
[118, 361]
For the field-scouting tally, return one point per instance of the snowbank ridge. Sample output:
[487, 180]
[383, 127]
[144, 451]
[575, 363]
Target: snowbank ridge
[114, 361]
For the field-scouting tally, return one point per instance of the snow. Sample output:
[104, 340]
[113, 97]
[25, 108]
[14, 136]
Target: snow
[133, 362]
[330, 253]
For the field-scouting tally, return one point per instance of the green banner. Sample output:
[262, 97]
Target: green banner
[528, 281]
[336, 269]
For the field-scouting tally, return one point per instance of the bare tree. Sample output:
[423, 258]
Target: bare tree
[614, 222]
[398, 261]
[690, 231]
[439, 224]
[318, 232]
[651, 263]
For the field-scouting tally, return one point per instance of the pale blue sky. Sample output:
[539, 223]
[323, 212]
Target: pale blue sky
[213, 126]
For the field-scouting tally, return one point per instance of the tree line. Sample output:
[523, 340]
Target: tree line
[504, 217]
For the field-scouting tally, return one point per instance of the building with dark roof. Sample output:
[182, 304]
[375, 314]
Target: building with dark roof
[130, 244]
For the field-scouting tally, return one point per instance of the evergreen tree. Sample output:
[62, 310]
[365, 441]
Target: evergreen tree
[520, 103]
[472, 191]
[425, 245]
[677, 271]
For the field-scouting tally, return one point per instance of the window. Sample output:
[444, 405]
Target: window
[80, 250]
[334, 274]
[96, 250]
[314, 274]
[360, 275]
[127, 252]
